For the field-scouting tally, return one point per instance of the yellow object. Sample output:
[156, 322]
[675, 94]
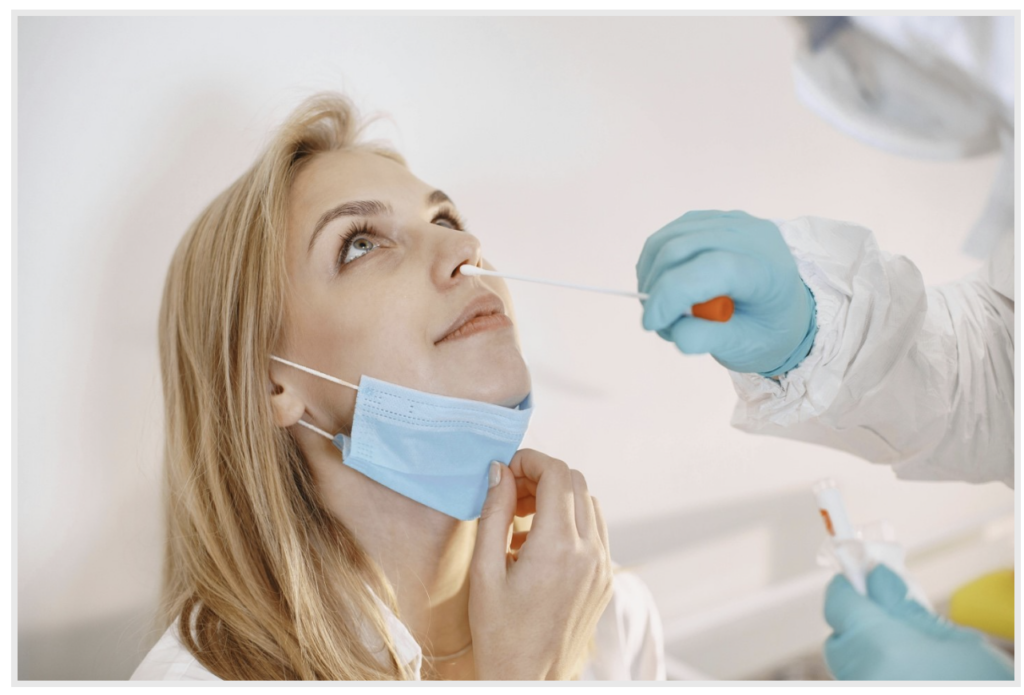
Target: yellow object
[986, 604]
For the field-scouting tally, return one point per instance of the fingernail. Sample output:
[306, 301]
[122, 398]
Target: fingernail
[495, 474]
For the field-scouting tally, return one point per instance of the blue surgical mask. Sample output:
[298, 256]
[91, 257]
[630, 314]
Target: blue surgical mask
[433, 449]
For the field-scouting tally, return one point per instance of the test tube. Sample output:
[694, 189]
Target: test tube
[839, 528]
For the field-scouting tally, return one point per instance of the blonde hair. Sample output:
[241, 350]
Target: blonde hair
[264, 582]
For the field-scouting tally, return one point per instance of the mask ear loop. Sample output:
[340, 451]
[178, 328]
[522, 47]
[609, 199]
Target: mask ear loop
[315, 373]
[322, 376]
[316, 429]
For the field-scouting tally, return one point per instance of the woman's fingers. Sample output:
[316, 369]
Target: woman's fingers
[535, 620]
[525, 486]
[518, 538]
[554, 496]
[529, 467]
[585, 521]
[494, 525]
[526, 500]
[526, 506]
[602, 528]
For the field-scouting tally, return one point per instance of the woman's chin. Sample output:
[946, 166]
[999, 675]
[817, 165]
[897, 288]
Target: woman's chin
[513, 401]
[499, 381]
[508, 393]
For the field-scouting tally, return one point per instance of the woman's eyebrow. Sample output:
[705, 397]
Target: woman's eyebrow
[438, 197]
[354, 208]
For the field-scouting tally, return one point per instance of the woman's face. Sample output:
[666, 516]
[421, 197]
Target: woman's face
[374, 289]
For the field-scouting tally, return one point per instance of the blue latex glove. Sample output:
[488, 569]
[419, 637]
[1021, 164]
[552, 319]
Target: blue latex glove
[887, 636]
[707, 254]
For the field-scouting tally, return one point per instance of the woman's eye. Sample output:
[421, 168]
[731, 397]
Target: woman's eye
[359, 247]
[449, 219]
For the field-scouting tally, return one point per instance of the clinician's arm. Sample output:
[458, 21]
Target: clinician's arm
[919, 378]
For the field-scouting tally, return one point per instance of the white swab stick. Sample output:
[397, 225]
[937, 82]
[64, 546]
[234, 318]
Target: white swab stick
[473, 270]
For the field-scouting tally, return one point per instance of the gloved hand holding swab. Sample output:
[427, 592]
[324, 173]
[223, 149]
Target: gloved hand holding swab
[718, 309]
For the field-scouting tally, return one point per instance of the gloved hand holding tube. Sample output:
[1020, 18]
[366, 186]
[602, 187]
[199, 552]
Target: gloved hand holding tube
[886, 635]
[706, 254]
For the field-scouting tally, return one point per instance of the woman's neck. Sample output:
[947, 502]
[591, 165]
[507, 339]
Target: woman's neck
[424, 554]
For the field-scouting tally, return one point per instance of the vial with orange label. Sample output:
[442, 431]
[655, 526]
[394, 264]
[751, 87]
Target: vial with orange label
[845, 541]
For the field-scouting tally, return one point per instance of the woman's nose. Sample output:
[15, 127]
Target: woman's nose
[455, 249]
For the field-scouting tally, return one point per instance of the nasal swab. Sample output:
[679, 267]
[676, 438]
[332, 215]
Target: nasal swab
[473, 270]
[717, 309]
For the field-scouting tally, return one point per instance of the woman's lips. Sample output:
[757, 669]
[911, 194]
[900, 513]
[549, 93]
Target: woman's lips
[478, 325]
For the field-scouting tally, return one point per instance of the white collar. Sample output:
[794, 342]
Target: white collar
[409, 651]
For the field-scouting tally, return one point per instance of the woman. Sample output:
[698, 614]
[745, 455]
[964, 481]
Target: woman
[329, 255]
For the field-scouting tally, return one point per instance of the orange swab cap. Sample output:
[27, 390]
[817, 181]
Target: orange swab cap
[717, 309]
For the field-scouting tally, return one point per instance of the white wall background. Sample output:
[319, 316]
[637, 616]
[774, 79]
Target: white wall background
[566, 141]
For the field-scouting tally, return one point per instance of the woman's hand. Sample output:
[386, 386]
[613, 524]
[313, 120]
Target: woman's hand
[534, 619]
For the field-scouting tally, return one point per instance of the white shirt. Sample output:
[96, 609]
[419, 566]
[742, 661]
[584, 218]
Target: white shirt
[628, 643]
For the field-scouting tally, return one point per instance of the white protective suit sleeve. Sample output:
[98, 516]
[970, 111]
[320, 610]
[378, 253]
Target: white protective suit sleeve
[919, 378]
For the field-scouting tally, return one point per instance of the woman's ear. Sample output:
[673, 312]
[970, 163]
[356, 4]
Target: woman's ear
[287, 406]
